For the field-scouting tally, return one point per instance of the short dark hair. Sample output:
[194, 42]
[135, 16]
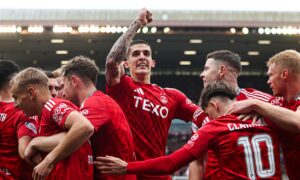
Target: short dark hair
[216, 89]
[234, 60]
[49, 74]
[83, 67]
[7, 70]
[138, 41]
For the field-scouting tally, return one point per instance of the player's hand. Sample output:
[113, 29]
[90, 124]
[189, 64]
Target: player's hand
[37, 158]
[254, 116]
[241, 107]
[144, 17]
[42, 170]
[111, 165]
[30, 153]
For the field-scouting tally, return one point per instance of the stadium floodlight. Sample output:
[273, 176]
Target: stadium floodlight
[185, 63]
[64, 62]
[196, 41]
[167, 30]
[273, 30]
[107, 29]
[35, 29]
[124, 29]
[245, 30]
[267, 31]
[245, 63]
[261, 30]
[284, 30]
[62, 29]
[278, 30]
[102, 29]
[113, 29]
[62, 52]
[57, 41]
[94, 29]
[253, 53]
[153, 30]
[190, 52]
[145, 30]
[83, 29]
[8, 29]
[119, 29]
[232, 30]
[264, 42]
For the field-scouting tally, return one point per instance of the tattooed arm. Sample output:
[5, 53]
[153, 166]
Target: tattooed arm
[114, 69]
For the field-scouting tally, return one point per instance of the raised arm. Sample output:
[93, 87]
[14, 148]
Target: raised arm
[114, 69]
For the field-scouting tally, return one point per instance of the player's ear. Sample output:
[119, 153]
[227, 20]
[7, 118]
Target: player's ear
[31, 92]
[126, 64]
[153, 63]
[284, 73]
[222, 70]
[214, 104]
[75, 80]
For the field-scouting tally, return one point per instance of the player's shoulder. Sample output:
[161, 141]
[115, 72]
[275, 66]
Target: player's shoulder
[58, 102]
[173, 91]
[222, 120]
[98, 97]
[256, 94]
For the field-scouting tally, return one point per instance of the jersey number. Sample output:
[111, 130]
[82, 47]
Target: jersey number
[254, 144]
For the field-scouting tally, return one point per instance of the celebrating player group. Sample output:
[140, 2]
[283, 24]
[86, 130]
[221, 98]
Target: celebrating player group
[58, 125]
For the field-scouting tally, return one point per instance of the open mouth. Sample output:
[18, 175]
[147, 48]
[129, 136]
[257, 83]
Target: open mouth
[142, 66]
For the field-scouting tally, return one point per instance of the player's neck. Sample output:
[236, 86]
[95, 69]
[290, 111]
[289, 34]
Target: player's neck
[231, 79]
[42, 98]
[293, 91]
[6, 95]
[145, 79]
[86, 92]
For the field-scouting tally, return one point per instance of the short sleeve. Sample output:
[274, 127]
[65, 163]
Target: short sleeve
[60, 112]
[185, 108]
[120, 89]
[97, 116]
[26, 127]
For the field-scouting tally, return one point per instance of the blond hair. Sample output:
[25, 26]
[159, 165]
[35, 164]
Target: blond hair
[29, 76]
[288, 59]
[57, 72]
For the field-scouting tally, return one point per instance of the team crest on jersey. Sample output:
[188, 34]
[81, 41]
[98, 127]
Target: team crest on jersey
[85, 112]
[31, 126]
[188, 101]
[2, 117]
[59, 112]
[163, 98]
[90, 159]
[193, 139]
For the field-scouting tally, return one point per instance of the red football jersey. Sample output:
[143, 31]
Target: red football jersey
[79, 165]
[212, 166]
[244, 151]
[149, 110]
[290, 141]
[112, 133]
[13, 125]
